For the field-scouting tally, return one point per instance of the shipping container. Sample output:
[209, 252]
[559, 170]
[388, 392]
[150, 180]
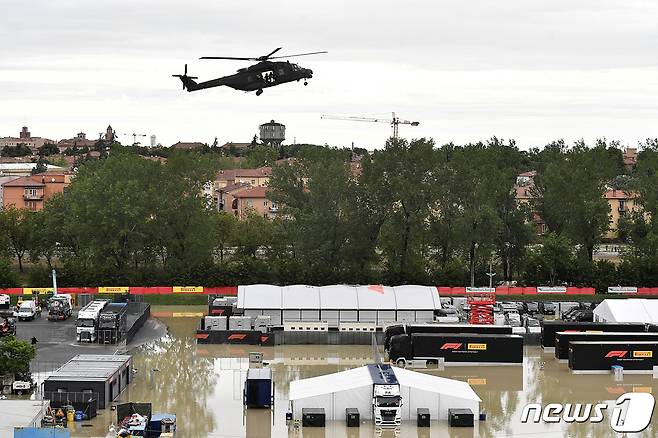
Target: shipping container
[258, 388]
[563, 339]
[419, 349]
[599, 357]
[549, 328]
[410, 329]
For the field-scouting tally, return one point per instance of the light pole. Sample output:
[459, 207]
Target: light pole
[490, 274]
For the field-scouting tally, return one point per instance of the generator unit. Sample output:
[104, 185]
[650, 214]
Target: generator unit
[422, 417]
[352, 417]
[460, 418]
[313, 417]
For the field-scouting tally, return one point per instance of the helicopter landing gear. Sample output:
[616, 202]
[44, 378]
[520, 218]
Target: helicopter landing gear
[259, 92]
[305, 83]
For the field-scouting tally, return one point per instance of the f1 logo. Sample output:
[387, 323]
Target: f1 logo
[632, 412]
[238, 337]
[617, 353]
[450, 346]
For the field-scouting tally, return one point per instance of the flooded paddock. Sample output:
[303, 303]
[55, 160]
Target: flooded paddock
[203, 386]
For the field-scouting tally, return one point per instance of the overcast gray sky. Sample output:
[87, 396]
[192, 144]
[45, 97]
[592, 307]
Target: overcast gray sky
[524, 69]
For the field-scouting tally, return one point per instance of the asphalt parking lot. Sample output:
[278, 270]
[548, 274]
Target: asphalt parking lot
[56, 342]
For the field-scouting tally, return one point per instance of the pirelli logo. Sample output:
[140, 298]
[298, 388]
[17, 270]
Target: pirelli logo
[477, 381]
[451, 346]
[477, 346]
[643, 354]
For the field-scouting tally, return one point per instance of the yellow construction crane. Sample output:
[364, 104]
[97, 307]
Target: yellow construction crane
[394, 121]
[134, 136]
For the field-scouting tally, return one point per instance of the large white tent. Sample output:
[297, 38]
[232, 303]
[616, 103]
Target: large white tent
[353, 389]
[627, 310]
[374, 303]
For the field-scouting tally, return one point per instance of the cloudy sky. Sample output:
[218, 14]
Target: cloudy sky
[524, 69]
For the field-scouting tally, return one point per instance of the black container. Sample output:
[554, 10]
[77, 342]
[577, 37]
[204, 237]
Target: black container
[423, 417]
[549, 328]
[588, 356]
[313, 417]
[462, 348]
[562, 339]
[352, 417]
[250, 337]
[460, 418]
[410, 329]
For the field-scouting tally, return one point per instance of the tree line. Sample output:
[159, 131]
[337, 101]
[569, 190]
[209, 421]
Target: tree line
[414, 212]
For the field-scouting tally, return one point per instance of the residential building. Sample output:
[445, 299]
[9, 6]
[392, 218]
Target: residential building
[23, 169]
[256, 177]
[621, 203]
[187, 145]
[630, 158]
[3, 180]
[226, 200]
[24, 138]
[254, 198]
[33, 191]
[235, 146]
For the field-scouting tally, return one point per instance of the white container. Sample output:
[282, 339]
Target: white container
[215, 323]
[239, 323]
[262, 323]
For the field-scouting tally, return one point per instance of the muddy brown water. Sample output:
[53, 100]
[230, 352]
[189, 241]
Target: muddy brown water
[203, 386]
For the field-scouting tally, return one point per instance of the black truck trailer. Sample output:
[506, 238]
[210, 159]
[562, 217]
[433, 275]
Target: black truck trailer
[562, 339]
[410, 329]
[549, 328]
[421, 349]
[112, 323]
[635, 357]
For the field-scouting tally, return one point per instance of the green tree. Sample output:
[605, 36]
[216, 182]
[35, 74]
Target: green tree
[48, 149]
[15, 226]
[15, 355]
[226, 226]
[549, 263]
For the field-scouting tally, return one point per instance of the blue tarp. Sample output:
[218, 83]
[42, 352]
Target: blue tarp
[38, 432]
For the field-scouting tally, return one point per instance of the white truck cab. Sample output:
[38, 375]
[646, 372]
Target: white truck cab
[386, 398]
[87, 323]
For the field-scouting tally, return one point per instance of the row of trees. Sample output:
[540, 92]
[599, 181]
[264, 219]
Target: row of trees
[416, 213]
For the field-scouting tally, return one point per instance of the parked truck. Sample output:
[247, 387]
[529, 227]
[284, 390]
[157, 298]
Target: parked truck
[386, 397]
[5, 301]
[28, 310]
[409, 329]
[87, 323]
[59, 307]
[112, 323]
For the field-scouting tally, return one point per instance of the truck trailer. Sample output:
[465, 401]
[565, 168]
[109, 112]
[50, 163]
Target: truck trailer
[563, 339]
[409, 329]
[549, 328]
[422, 349]
[112, 323]
[636, 357]
[87, 323]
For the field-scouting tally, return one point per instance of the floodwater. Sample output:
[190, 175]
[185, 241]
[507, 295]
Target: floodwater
[203, 386]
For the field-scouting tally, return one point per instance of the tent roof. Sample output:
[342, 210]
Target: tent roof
[360, 377]
[436, 384]
[329, 383]
[628, 310]
[372, 297]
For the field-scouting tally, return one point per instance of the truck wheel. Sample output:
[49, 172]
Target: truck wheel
[401, 362]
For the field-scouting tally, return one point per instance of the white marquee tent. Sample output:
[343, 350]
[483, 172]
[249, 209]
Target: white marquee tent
[375, 303]
[627, 310]
[353, 389]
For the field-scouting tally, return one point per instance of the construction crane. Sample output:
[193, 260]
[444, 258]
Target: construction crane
[394, 121]
[134, 136]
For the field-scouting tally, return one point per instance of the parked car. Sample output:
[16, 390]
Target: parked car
[547, 308]
[582, 315]
[520, 307]
[513, 319]
[531, 307]
[28, 310]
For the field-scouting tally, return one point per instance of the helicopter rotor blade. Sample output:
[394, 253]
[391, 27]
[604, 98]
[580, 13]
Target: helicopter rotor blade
[271, 53]
[298, 54]
[229, 57]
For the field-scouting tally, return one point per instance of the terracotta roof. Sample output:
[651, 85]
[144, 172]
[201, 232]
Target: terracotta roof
[620, 194]
[529, 174]
[232, 174]
[235, 145]
[231, 187]
[253, 192]
[24, 181]
[523, 192]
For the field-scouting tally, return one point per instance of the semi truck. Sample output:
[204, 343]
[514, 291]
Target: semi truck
[59, 307]
[386, 397]
[422, 349]
[409, 329]
[112, 323]
[87, 323]
[564, 339]
[549, 328]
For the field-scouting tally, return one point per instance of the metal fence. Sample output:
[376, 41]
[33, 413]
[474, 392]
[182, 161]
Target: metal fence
[87, 402]
[142, 309]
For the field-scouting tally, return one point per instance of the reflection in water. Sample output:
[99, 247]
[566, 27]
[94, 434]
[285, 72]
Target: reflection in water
[204, 385]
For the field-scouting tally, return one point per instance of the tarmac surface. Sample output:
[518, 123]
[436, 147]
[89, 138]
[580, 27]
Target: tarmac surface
[56, 342]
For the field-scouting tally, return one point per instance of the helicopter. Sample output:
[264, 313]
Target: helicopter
[263, 74]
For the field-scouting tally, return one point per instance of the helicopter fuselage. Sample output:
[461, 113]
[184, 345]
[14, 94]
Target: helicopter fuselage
[264, 74]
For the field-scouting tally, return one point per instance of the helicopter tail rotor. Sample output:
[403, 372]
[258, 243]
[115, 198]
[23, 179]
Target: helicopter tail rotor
[188, 81]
